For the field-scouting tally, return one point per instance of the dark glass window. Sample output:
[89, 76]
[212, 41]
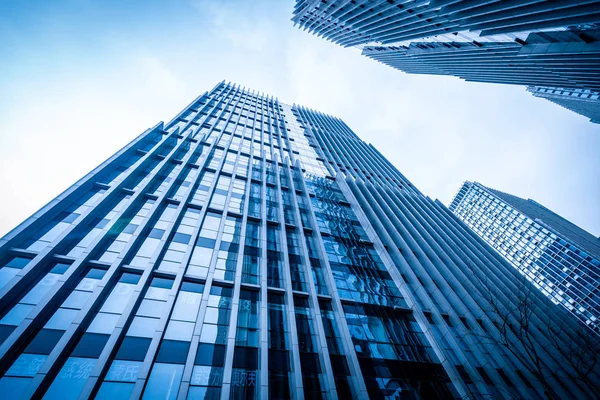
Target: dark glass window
[210, 354]
[44, 341]
[173, 351]
[133, 349]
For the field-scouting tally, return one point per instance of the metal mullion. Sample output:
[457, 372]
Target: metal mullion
[134, 167]
[347, 143]
[326, 141]
[263, 281]
[71, 275]
[330, 141]
[530, 13]
[370, 164]
[314, 307]
[356, 373]
[143, 374]
[74, 189]
[539, 336]
[409, 266]
[359, 193]
[400, 24]
[470, 255]
[334, 141]
[380, 27]
[217, 86]
[275, 142]
[319, 150]
[360, 20]
[507, 283]
[426, 267]
[136, 239]
[296, 386]
[325, 150]
[384, 161]
[357, 147]
[234, 308]
[232, 330]
[189, 365]
[99, 368]
[357, 35]
[228, 120]
[50, 367]
[283, 140]
[439, 221]
[178, 277]
[46, 254]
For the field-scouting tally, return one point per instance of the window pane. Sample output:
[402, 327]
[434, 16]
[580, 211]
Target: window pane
[70, 380]
[104, 323]
[124, 371]
[16, 315]
[164, 381]
[204, 393]
[14, 386]
[143, 327]
[114, 391]
[178, 330]
[61, 319]
[26, 365]
[38, 291]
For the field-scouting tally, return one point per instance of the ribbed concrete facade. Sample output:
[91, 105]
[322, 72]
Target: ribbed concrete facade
[561, 259]
[252, 249]
[535, 43]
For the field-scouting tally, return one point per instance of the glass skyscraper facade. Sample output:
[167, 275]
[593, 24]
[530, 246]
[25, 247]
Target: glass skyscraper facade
[558, 257]
[252, 249]
[534, 43]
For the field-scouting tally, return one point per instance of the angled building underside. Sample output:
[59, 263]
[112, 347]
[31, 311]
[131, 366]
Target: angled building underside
[583, 102]
[533, 43]
[569, 59]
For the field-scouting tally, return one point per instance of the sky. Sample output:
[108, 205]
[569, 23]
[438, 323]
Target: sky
[79, 79]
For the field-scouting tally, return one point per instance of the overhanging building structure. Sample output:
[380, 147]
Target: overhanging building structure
[582, 101]
[533, 43]
[252, 249]
[561, 259]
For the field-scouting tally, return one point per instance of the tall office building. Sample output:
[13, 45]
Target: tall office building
[534, 43]
[252, 249]
[561, 259]
[583, 102]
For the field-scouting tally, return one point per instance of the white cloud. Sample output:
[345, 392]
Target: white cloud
[73, 100]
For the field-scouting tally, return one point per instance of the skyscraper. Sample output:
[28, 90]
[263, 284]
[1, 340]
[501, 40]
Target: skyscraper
[249, 249]
[540, 43]
[561, 259]
[582, 101]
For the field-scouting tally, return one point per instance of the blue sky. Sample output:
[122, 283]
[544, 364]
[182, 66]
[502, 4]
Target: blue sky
[79, 79]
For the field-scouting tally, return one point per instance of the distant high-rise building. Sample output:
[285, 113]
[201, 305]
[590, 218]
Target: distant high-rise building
[582, 101]
[561, 259]
[540, 43]
[252, 249]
